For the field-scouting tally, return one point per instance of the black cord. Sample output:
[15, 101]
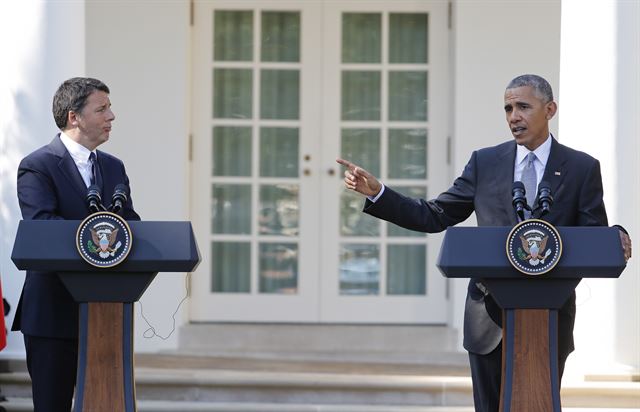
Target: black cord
[151, 331]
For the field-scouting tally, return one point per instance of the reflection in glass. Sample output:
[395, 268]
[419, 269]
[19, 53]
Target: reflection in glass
[408, 38]
[231, 151]
[280, 36]
[278, 210]
[360, 95]
[361, 37]
[352, 221]
[279, 268]
[279, 152]
[408, 96]
[232, 93]
[231, 267]
[279, 94]
[362, 147]
[359, 269]
[231, 209]
[406, 270]
[415, 192]
[408, 153]
[233, 35]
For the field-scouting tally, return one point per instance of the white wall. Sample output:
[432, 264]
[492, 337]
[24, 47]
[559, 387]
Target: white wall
[140, 49]
[599, 90]
[495, 41]
[42, 43]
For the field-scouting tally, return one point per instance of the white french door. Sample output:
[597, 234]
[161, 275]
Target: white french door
[280, 89]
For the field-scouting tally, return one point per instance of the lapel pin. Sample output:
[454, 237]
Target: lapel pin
[557, 173]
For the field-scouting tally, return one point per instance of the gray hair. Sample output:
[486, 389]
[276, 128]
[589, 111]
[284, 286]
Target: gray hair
[540, 86]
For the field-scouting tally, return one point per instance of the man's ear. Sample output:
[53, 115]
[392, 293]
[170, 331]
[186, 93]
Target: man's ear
[551, 109]
[72, 119]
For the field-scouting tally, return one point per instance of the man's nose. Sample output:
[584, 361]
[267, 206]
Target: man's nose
[514, 116]
[110, 115]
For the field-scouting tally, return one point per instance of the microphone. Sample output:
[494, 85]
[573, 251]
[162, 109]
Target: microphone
[94, 200]
[519, 200]
[544, 197]
[119, 198]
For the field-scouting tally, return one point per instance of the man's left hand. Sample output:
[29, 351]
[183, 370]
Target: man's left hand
[626, 245]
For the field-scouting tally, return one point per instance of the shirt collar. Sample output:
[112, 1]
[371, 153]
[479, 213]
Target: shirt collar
[78, 152]
[542, 152]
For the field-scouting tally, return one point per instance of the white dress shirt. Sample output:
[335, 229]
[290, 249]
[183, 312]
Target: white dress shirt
[542, 156]
[80, 156]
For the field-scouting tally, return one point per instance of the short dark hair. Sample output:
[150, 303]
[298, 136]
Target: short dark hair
[539, 85]
[72, 96]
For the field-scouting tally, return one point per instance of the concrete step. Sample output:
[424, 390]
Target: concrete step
[24, 405]
[218, 381]
[411, 344]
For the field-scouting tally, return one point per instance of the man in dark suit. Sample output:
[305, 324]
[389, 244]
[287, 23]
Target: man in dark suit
[52, 184]
[485, 187]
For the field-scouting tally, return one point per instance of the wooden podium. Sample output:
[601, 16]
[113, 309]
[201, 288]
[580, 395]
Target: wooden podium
[530, 304]
[105, 377]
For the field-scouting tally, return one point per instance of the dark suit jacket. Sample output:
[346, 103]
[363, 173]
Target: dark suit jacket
[485, 187]
[51, 187]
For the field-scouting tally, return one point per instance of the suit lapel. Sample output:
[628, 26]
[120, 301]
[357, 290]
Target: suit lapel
[505, 160]
[68, 167]
[555, 170]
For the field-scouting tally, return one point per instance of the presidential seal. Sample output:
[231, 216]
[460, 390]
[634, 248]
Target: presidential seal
[534, 247]
[104, 239]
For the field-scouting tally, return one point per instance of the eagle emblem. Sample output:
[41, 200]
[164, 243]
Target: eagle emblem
[104, 239]
[534, 244]
[534, 247]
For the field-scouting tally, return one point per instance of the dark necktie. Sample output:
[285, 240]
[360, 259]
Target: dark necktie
[95, 170]
[530, 179]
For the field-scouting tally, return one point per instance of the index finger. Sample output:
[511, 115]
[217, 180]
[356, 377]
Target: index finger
[345, 163]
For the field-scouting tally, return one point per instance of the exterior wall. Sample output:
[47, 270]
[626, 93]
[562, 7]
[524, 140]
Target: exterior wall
[141, 50]
[39, 50]
[492, 44]
[599, 89]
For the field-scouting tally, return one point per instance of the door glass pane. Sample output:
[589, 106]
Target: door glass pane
[231, 267]
[279, 268]
[360, 95]
[352, 221]
[233, 35]
[361, 37]
[408, 153]
[408, 38]
[280, 36]
[231, 209]
[362, 147]
[231, 151]
[279, 148]
[407, 96]
[279, 210]
[415, 192]
[232, 96]
[359, 269]
[406, 269]
[280, 94]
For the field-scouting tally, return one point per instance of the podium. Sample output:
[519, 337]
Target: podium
[530, 304]
[105, 377]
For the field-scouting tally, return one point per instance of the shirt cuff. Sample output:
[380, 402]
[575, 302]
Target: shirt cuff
[375, 199]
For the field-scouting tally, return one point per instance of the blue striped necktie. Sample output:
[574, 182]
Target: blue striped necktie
[530, 179]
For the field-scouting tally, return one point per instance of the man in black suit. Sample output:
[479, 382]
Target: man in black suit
[52, 184]
[485, 187]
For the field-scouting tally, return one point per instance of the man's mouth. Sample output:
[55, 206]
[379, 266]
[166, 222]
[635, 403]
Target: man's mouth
[518, 129]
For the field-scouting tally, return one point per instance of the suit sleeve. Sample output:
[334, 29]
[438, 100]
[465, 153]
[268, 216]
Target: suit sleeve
[591, 210]
[449, 208]
[36, 194]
